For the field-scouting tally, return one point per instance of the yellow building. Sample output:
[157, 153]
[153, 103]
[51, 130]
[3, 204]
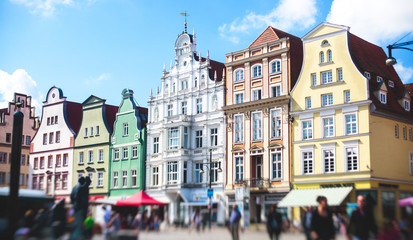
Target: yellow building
[352, 121]
[259, 80]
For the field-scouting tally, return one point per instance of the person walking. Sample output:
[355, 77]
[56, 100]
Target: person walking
[274, 223]
[234, 222]
[362, 221]
[308, 215]
[88, 226]
[58, 219]
[322, 221]
[113, 225]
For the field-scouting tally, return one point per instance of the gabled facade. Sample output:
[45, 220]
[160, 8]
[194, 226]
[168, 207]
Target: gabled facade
[30, 125]
[347, 107]
[128, 148]
[259, 80]
[91, 148]
[185, 131]
[51, 150]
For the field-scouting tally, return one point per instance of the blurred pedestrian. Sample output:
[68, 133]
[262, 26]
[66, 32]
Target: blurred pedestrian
[58, 219]
[322, 221]
[308, 214]
[390, 231]
[234, 222]
[362, 221]
[274, 223]
[40, 221]
[113, 225]
[88, 226]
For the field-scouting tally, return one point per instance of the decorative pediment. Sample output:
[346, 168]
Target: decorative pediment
[382, 87]
[93, 99]
[238, 149]
[256, 147]
[406, 94]
[275, 145]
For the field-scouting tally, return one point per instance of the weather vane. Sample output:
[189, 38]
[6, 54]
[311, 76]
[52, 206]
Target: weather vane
[185, 14]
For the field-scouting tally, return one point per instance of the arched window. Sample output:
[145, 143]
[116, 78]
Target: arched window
[325, 43]
[256, 71]
[239, 75]
[329, 56]
[275, 66]
[322, 57]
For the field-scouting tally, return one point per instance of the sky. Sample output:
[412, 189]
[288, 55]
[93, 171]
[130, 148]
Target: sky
[100, 47]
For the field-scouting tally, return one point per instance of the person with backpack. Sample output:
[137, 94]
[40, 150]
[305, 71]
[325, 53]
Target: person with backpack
[274, 223]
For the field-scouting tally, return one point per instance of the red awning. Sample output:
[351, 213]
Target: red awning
[139, 199]
[93, 198]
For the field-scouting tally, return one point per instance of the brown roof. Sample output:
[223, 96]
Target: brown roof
[215, 67]
[371, 58]
[73, 114]
[409, 88]
[110, 116]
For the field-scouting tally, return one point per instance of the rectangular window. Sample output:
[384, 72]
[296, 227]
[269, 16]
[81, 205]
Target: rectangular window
[327, 99]
[3, 178]
[199, 105]
[308, 162]
[239, 168]
[64, 181]
[214, 136]
[184, 84]
[85, 133]
[116, 153]
[97, 131]
[156, 145]
[313, 79]
[134, 151]
[35, 162]
[115, 179]
[214, 172]
[326, 77]
[124, 178]
[133, 178]
[410, 134]
[256, 126]
[411, 162]
[379, 79]
[90, 156]
[48, 121]
[49, 161]
[347, 96]
[173, 138]
[101, 155]
[382, 97]
[65, 158]
[44, 138]
[404, 133]
[57, 181]
[186, 137]
[23, 159]
[185, 172]
[276, 164]
[172, 177]
[351, 124]
[3, 157]
[239, 128]
[406, 105]
[51, 137]
[396, 130]
[184, 108]
[308, 102]
[90, 174]
[58, 137]
[276, 123]
[239, 98]
[155, 176]
[34, 182]
[91, 131]
[276, 91]
[339, 74]
[170, 110]
[55, 119]
[8, 138]
[21, 179]
[352, 158]
[198, 139]
[100, 179]
[256, 94]
[307, 129]
[41, 162]
[328, 127]
[329, 162]
[51, 120]
[58, 160]
[198, 173]
[125, 129]
[27, 140]
[125, 153]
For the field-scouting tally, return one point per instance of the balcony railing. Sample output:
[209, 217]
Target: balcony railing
[254, 182]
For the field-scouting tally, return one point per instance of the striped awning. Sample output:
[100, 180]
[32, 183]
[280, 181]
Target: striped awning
[307, 197]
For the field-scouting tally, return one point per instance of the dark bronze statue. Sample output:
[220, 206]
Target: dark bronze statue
[80, 200]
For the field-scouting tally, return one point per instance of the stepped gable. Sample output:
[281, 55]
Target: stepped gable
[371, 58]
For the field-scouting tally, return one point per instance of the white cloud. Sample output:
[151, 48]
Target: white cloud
[21, 82]
[378, 21]
[44, 7]
[405, 73]
[287, 15]
[102, 77]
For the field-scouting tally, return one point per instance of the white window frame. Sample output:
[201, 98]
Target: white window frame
[351, 123]
[57, 137]
[276, 123]
[155, 176]
[90, 156]
[308, 103]
[327, 99]
[379, 79]
[134, 151]
[172, 172]
[115, 178]
[367, 75]
[124, 178]
[406, 105]
[239, 175]
[125, 152]
[156, 145]
[329, 160]
[81, 159]
[256, 73]
[340, 76]
[238, 75]
[313, 79]
[97, 131]
[347, 96]
[198, 138]
[277, 67]
[322, 57]
[101, 155]
[239, 128]
[353, 145]
[307, 132]
[85, 135]
[116, 154]
[277, 92]
[277, 164]
[199, 105]
[173, 138]
[239, 98]
[326, 77]
[133, 178]
[214, 136]
[256, 129]
[198, 175]
[184, 84]
[256, 94]
[125, 129]
[330, 126]
[383, 97]
[91, 131]
[99, 179]
[170, 110]
[329, 56]
[309, 161]
[184, 107]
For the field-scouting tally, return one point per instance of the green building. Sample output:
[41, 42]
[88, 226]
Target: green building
[128, 148]
[91, 147]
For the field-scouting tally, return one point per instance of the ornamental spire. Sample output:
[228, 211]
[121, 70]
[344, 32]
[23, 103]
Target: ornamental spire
[185, 14]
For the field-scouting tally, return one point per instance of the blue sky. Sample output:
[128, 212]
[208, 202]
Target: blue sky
[100, 47]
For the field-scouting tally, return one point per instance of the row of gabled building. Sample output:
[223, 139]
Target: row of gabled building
[283, 116]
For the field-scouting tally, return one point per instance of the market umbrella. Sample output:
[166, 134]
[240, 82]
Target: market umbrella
[139, 199]
[406, 202]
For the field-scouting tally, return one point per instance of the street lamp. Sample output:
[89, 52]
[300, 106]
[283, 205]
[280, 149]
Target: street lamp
[390, 61]
[209, 165]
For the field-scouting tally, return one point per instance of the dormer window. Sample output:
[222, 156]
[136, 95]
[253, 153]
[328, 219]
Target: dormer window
[383, 97]
[379, 79]
[239, 75]
[391, 83]
[406, 105]
[275, 66]
[367, 75]
[322, 59]
[256, 71]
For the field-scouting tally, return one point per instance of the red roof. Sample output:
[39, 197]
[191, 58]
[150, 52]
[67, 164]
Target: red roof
[371, 58]
[110, 115]
[74, 115]
[139, 199]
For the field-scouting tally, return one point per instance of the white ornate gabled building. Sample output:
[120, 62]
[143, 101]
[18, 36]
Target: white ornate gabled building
[51, 150]
[186, 131]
